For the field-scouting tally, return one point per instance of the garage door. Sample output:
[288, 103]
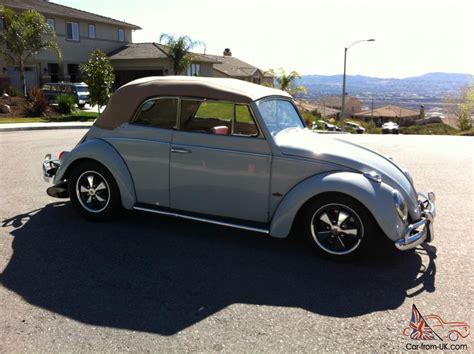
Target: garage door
[30, 76]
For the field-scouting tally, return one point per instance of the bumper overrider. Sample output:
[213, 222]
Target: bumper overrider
[50, 166]
[422, 230]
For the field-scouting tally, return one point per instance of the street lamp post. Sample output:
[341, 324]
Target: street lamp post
[344, 76]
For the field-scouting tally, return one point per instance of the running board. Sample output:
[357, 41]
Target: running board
[195, 218]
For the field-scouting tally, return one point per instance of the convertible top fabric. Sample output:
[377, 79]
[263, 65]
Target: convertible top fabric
[125, 101]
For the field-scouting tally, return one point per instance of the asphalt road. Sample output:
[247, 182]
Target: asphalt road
[151, 283]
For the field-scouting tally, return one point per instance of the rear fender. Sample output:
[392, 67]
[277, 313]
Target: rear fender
[104, 153]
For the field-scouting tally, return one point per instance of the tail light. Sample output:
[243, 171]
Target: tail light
[61, 154]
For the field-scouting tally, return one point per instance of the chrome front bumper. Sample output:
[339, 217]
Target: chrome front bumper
[422, 230]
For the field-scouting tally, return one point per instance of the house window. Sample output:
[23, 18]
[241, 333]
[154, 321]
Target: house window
[91, 31]
[121, 35]
[72, 31]
[257, 80]
[51, 24]
[194, 69]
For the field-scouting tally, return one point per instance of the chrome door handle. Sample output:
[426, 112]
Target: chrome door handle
[180, 151]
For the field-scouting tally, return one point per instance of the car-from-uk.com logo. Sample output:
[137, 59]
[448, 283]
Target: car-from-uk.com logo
[433, 328]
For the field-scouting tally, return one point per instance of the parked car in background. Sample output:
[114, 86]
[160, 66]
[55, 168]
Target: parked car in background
[390, 128]
[328, 126]
[237, 154]
[355, 127]
[80, 91]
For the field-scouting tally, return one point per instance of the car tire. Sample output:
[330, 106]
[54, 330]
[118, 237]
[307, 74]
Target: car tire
[81, 105]
[93, 191]
[338, 227]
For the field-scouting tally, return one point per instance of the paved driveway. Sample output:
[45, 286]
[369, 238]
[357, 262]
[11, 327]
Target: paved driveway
[150, 283]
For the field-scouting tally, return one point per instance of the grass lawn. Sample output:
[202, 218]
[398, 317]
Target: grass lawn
[77, 116]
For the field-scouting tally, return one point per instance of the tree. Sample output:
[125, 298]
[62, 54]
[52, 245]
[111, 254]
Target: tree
[98, 74]
[286, 81]
[25, 34]
[179, 48]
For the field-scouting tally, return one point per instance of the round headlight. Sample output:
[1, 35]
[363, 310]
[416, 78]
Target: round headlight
[400, 205]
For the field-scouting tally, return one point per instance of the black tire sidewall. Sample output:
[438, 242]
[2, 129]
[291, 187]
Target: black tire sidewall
[368, 223]
[114, 204]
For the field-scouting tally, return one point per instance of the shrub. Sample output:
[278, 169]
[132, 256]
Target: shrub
[66, 104]
[38, 103]
[430, 129]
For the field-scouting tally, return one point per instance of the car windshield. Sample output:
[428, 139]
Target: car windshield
[279, 115]
[82, 89]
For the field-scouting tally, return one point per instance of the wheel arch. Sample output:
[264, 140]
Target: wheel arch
[99, 151]
[375, 197]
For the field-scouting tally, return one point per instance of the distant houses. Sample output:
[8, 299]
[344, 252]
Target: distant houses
[400, 115]
[330, 107]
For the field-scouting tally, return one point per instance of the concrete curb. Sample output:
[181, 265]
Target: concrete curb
[13, 127]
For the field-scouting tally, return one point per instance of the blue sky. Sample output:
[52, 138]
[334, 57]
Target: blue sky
[412, 36]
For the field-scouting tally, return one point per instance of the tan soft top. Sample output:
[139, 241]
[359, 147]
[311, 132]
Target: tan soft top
[125, 101]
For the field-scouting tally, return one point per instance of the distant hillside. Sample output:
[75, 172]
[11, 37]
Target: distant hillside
[428, 89]
[427, 84]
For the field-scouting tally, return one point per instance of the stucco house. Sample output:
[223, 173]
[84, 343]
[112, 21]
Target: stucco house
[135, 60]
[78, 32]
[352, 104]
[230, 66]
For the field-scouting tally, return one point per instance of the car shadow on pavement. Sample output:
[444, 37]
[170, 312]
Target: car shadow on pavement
[161, 275]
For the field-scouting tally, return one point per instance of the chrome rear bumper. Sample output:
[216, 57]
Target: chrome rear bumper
[422, 230]
[50, 166]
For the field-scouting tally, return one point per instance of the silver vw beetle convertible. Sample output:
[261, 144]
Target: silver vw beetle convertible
[237, 154]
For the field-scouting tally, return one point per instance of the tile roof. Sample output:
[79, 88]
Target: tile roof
[232, 66]
[389, 111]
[324, 111]
[335, 101]
[151, 50]
[50, 8]
[138, 51]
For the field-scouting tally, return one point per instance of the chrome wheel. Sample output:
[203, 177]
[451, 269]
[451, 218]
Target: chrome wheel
[93, 191]
[337, 229]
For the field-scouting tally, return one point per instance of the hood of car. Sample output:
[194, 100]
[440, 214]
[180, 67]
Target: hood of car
[306, 144]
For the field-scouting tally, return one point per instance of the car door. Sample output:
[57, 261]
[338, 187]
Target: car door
[144, 144]
[219, 162]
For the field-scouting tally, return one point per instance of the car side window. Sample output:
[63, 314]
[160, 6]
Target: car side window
[206, 117]
[158, 113]
[244, 123]
[217, 118]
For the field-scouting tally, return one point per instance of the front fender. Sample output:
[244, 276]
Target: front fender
[376, 197]
[104, 153]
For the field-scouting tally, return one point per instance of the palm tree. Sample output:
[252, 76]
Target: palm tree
[179, 48]
[25, 34]
[286, 81]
